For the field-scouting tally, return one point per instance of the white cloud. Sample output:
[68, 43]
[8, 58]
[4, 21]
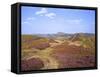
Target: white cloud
[31, 18]
[50, 15]
[74, 21]
[25, 22]
[28, 20]
[42, 11]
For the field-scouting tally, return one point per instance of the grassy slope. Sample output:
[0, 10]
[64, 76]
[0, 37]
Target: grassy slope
[58, 53]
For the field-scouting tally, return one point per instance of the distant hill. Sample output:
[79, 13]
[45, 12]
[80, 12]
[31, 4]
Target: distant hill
[78, 36]
[59, 34]
[65, 35]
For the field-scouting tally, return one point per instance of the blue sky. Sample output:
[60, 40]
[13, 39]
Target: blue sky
[38, 20]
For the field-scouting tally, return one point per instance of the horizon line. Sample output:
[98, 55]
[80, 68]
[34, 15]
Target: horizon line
[55, 33]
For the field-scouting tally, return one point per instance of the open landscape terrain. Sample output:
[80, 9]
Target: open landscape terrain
[56, 51]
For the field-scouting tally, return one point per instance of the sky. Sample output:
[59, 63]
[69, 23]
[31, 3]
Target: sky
[40, 20]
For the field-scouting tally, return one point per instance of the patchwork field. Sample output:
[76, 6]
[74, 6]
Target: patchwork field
[55, 51]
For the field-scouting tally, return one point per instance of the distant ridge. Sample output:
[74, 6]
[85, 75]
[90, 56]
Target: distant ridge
[62, 34]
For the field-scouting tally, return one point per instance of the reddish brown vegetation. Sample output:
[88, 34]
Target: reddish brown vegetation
[35, 44]
[41, 46]
[32, 64]
[52, 41]
[73, 56]
[69, 61]
[66, 52]
[67, 49]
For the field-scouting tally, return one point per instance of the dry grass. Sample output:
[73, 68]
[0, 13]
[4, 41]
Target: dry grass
[55, 53]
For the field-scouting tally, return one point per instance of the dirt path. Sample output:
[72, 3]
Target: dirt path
[55, 44]
[45, 56]
[76, 43]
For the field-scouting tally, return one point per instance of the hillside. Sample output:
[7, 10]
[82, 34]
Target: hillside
[54, 51]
